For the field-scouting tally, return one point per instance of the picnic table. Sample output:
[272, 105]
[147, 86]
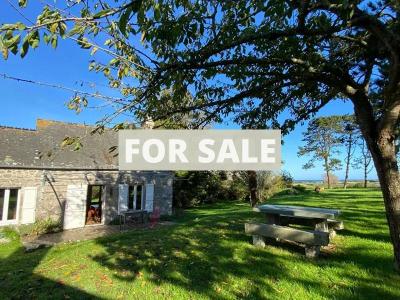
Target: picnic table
[323, 223]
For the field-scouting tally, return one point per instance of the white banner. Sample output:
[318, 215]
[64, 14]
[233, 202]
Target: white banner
[146, 149]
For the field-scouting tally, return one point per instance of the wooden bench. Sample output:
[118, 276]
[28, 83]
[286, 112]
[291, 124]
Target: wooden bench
[332, 225]
[313, 240]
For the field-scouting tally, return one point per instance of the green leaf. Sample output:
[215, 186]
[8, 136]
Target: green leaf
[123, 21]
[101, 13]
[14, 49]
[46, 38]
[53, 28]
[21, 26]
[84, 102]
[84, 43]
[5, 27]
[62, 28]
[54, 41]
[143, 37]
[157, 12]
[14, 41]
[4, 52]
[25, 46]
[94, 50]
[92, 65]
[34, 39]
[76, 30]
[78, 146]
[106, 71]
[22, 3]
[135, 6]
[120, 73]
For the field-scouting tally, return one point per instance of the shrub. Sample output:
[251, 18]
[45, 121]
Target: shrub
[358, 185]
[287, 179]
[7, 234]
[319, 189]
[41, 226]
[300, 188]
[333, 179]
[291, 191]
[268, 184]
[192, 188]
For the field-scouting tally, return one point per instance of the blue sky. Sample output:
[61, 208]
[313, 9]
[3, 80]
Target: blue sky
[23, 103]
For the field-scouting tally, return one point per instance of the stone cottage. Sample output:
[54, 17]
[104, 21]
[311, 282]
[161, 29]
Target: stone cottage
[40, 179]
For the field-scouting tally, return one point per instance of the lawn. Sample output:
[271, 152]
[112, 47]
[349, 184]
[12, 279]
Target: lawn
[207, 255]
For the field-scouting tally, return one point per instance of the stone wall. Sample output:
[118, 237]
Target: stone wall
[52, 188]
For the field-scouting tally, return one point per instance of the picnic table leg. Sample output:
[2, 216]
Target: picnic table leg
[312, 251]
[273, 220]
[258, 241]
[338, 225]
[322, 226]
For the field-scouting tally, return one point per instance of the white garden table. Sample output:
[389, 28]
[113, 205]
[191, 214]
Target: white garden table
[322, 221]
[282, 214]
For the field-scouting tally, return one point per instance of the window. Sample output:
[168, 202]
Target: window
[8, 205]
[139, 197]
[12, 205]
[135, 197]
[2, 198]
[131, 197]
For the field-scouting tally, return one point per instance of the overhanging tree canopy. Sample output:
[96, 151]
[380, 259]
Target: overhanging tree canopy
[249, 60]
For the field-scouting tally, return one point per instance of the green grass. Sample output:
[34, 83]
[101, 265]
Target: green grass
[207, 255]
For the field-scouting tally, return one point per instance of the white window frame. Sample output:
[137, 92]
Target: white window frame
[135, 196]
[4, 221]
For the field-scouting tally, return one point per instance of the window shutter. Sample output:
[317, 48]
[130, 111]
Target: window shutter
[28, 205]
[123, 197]
[149, 197]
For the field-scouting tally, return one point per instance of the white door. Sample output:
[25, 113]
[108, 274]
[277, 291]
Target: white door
[149, 197]
[75, 206]
[28, 205]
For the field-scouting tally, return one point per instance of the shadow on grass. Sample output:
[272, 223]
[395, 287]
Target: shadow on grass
[19, 281]
[207, 254]
[204, 254]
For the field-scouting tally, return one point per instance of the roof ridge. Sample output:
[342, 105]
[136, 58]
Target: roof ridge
[40, 123]
[18, 128]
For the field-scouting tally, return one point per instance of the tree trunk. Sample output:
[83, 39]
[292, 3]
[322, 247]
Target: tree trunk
[380, 139]
[252, 181]
[365, 174]
[388, 174]
[328, 177]
[346, 177]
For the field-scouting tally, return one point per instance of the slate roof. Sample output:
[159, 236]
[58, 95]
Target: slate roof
[41, 148]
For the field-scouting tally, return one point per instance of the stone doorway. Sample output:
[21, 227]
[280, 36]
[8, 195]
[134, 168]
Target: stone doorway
[94, 204]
